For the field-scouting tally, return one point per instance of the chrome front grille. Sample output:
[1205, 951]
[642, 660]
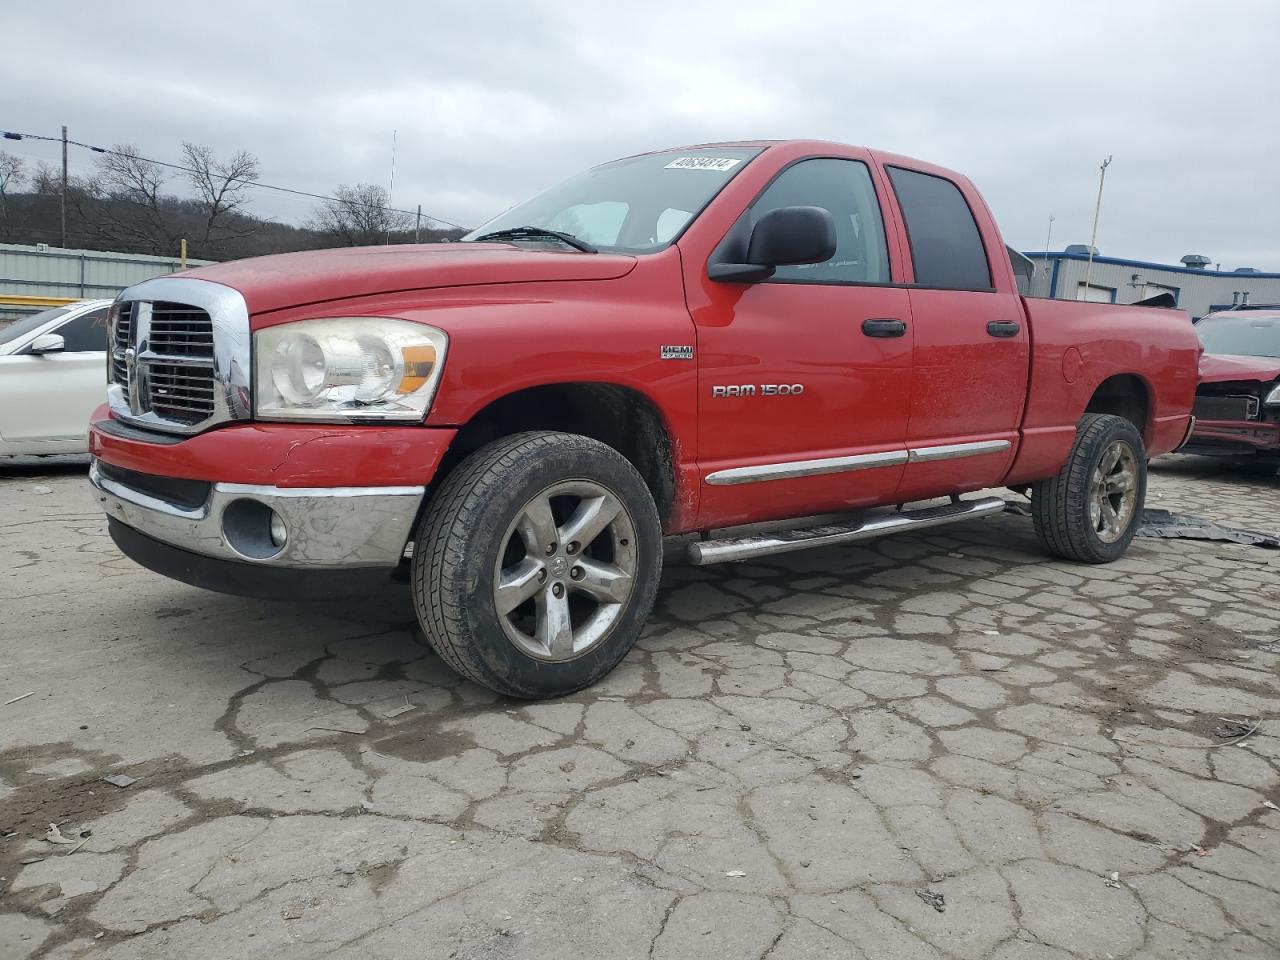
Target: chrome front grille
[120, 342]
[180, 330]
[180, 392]
[179, 355]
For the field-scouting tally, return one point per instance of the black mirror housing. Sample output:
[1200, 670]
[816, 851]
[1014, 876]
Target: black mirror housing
[783, 237]
[790, 236]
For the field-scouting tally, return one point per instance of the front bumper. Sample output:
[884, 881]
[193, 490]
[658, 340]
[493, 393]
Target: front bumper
[1235, 436]
[265, 509]
[334, 527]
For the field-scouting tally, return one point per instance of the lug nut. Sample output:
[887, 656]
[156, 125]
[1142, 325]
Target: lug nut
[542, 576]
[576, 573]
[551, 548]
[572, 548]
[557, 590]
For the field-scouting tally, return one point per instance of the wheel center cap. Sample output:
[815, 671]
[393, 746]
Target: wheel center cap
[559, 567]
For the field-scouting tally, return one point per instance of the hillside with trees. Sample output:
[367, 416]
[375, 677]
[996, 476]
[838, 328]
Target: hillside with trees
[134, 205]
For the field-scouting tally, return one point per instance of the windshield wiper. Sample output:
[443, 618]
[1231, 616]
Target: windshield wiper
[535, 233]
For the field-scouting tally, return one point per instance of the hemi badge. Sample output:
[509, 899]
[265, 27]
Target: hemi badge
[677, 353]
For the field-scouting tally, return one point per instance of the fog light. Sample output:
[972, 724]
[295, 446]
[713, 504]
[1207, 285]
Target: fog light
[253, 530]
[278, 532]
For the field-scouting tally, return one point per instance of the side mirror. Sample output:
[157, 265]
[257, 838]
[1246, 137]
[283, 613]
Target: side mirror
[784, 237]
[48, 343]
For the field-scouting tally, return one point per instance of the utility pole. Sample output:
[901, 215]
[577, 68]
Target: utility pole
[64, 187]
[1093, 237]
[391, 190]
[1047, 237]
[417, 225]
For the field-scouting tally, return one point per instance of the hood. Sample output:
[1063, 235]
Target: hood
[314, 276]
[1220, 368]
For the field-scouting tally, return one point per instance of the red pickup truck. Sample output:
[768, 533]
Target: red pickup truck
[682, 341]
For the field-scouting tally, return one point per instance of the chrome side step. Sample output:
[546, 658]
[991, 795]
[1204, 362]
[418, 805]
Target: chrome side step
[788, 541]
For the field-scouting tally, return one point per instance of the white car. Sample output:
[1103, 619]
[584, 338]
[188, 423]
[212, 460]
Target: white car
[53, 373]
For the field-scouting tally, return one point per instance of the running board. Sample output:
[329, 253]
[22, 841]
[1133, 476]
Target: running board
[788, 541]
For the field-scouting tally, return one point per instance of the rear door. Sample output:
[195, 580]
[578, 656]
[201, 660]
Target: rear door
[804, 379]
[971, 341]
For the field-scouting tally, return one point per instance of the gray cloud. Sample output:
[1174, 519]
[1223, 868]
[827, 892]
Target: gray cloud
[494, 101]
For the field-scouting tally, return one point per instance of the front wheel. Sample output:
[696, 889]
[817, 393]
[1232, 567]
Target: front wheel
[1091, 510]
[536, 564]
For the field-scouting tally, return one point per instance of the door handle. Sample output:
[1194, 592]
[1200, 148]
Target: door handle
[884, 327]
[1003, 328]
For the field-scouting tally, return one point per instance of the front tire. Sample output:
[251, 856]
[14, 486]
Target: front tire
[1091, 510]
[536, 564]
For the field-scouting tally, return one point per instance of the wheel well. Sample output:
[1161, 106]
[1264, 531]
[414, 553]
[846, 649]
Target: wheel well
[623, 418]
[1125, 396]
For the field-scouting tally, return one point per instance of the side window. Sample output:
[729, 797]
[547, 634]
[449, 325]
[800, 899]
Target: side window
[946, 248]
[85, 333]
[844, 188]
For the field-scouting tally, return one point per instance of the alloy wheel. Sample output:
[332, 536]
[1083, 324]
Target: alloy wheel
[565, 570]
[1113, 492]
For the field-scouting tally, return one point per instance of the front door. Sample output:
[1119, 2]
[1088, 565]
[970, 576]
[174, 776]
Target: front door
[804, 379]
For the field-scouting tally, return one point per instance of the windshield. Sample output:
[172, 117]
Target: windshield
[636, 205]
[1240, 335]
[20, 328]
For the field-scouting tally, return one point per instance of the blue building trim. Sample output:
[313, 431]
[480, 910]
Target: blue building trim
[1117, 261]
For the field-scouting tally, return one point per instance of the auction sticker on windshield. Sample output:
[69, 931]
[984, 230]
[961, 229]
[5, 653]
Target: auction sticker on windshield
[703, 163]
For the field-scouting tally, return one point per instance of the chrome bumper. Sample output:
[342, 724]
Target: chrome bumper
[324, 527]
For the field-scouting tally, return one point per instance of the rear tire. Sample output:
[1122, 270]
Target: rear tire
[536, 564]
[1091, 510]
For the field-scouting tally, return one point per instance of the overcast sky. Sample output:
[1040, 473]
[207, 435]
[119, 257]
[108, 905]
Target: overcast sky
[495, 101]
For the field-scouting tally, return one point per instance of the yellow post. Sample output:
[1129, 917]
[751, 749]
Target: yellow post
[184, 253]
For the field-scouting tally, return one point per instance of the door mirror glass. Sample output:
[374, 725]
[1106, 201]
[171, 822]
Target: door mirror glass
[48, 343]
[789, 236]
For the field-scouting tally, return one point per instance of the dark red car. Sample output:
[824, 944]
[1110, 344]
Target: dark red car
[1238, 401]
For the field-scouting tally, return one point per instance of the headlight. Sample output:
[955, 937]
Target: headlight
[347, 368]
[1273, 398]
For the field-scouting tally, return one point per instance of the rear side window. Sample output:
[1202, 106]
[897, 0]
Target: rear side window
[946, 248]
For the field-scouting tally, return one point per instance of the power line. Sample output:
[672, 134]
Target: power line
[8, 135]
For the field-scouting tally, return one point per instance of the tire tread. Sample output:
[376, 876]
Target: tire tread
[1059, 503]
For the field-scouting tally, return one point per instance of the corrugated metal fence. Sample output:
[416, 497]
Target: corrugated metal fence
[56, 274]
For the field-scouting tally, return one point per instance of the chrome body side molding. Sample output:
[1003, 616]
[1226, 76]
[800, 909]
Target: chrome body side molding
[864, 461]
[955, 451]
[806, 468]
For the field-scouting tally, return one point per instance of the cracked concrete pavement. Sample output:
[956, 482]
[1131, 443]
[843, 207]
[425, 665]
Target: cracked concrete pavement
[801, 756]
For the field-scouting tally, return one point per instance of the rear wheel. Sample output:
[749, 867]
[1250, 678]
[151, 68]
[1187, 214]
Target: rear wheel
[1091, 510]
[536, 564]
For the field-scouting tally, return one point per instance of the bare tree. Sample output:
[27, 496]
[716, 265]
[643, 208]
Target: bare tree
[124, 202]
[359, 216]
[13, 174]
[221, 186]
[46, 181]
